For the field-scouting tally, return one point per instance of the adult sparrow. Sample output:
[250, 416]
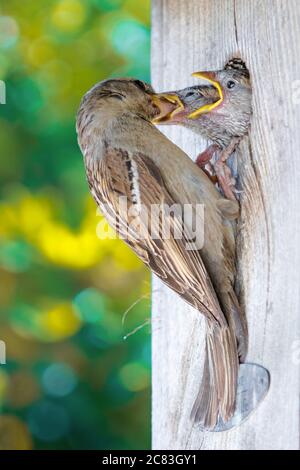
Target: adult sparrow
[220, 112]
[127, 158]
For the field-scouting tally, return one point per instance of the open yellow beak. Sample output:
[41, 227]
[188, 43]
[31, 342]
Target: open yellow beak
[169, 104]
[210, 77]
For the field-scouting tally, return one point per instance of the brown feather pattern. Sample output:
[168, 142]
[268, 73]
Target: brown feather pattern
[182, 270]
[116, 167]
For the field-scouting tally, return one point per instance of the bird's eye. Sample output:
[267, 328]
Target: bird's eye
[117, 96]
[140, 84]
[230, 84]
[190, 93]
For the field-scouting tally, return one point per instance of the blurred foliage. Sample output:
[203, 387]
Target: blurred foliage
[71, 381]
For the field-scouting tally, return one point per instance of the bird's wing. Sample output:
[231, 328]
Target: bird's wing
[135, 178]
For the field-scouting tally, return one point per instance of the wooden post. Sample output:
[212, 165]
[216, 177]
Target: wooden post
[201, 35]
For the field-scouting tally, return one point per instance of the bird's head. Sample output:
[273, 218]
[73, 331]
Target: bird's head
[117, 96]
[228, 95]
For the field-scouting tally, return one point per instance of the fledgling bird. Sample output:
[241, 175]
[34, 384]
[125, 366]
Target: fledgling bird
[125, 155]
[220, 112]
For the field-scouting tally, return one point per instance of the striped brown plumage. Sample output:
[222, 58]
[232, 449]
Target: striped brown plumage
[125, 155]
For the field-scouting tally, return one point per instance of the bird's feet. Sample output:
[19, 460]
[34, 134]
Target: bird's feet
[203, 161]
[204, 157]
[219, 172]
[225, 179]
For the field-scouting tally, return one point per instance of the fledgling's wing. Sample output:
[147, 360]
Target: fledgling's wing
[136, 177]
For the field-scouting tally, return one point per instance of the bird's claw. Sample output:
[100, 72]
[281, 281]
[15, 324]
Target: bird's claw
[219, 172]
[204, 157]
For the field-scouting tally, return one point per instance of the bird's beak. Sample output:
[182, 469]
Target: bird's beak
[210, 77]
[169, 104]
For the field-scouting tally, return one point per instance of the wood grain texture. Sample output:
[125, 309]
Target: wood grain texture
[202, 35]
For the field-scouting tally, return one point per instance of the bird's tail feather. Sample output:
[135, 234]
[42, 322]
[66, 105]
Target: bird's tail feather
[217, 393]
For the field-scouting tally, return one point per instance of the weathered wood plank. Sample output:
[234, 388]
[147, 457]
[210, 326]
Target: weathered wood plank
[201, 35]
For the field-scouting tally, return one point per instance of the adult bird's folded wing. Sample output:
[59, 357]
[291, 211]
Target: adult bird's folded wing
[135, 177]
[138, 179]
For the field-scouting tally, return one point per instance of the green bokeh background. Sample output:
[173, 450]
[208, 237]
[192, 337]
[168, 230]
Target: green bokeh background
[70, 381]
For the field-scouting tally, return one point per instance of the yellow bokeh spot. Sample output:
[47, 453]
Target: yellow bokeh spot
[8, 218]
[125, 258]
[140, 10]
[14, 434]
[60, 322]
[70, 249]
[33, 217]
[25, 216]
[40, 51]
[3, 385]
[134, 376]
[68, 15]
